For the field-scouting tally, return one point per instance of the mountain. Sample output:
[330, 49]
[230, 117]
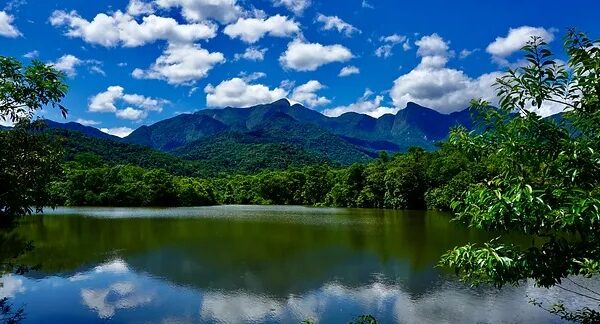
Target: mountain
[413, 126]
[270, 136]
[87, 130]
[279, 130]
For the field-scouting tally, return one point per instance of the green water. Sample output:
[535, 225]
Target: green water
[235, 264]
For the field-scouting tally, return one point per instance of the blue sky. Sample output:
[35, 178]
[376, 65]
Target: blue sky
[135, 62]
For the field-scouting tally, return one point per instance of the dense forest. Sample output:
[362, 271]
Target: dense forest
[414, 180]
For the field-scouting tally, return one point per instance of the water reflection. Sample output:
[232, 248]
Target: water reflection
[113, 291]
[253, 264]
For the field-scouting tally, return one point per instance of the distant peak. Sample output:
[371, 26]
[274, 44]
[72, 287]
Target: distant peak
[282, 102]
[411, 104]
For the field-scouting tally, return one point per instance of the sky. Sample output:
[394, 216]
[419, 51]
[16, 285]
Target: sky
[130, 63]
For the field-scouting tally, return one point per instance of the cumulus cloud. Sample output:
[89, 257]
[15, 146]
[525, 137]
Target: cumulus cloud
[131, 114]
[223, 11]
[7, 29]
[250, 30]
[389, 42]
[123, 29]
[301, 56]
[237, 92]
[434, 85]
[334, 22]
[306, 94]
[181, 64]
[107, 102]
[252, 54]
[67, 64]
[295, 6]
[367, 104]
[432, 45]
[503, 47]
[117, 131]
[349, 70]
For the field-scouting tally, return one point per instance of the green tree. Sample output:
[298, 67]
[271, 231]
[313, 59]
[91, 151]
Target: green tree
[27, 161]
[544, 175]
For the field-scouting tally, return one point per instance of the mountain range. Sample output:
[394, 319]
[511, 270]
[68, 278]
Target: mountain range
[413, 126]
[275, 135]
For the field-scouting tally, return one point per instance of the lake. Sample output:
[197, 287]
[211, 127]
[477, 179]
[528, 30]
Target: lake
[254, 264]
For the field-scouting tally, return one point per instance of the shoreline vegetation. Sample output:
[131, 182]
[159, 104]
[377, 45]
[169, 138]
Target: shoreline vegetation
[415, 180]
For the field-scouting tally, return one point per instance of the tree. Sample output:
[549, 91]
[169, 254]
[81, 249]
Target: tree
[544, 175]
[27, 161]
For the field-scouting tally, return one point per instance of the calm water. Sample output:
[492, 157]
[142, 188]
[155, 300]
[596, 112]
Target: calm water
[236, 264]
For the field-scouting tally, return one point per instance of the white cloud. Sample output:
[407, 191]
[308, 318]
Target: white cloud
[306, 94]
[503, 47]
[295, 6]
[87, 122]
[434, 85]
[301, 56]
[384, 51]
[334, 22]
[432, 45]
[466, 53]
[349, 70]
[117, 131]
[252, 76]
[6, 27]
[107, 102]
[250, 30]
[31, 55]
[122, 28]
[97, 70]
[67, 64]
[131, 114]
[367, 5]
[364, 105]
[181, 64]
[252, 54]
[239, 93]
[224, 11]
[390, 42]
[139, 7]
[394, 39]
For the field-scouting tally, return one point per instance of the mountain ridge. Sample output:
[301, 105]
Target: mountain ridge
[345, 139]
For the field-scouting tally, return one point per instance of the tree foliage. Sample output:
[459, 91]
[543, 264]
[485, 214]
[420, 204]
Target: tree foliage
[544, 173]
[27, 160]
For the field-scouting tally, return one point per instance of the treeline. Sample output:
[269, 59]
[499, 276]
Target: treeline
[414, 180]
